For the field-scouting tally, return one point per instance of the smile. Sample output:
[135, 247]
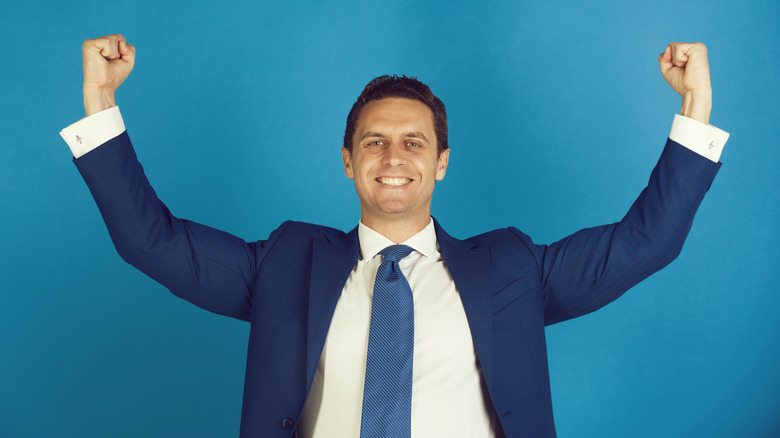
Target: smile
[394, 181]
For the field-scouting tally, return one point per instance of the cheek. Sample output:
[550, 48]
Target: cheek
[365, 168]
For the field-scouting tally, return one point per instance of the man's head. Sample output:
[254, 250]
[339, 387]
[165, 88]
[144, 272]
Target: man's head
[403, 87]
[393, 153]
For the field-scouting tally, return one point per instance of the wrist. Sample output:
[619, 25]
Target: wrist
[97, 99]
[697, 105]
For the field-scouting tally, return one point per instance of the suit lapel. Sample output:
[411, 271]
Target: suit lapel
[332, 262]
[469, 267]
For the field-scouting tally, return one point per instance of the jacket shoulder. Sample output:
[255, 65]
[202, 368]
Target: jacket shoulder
[512, 255]
[308, 230]
[509, 237]
[295, 234]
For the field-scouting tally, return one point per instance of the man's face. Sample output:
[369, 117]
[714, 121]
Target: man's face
[395, 161]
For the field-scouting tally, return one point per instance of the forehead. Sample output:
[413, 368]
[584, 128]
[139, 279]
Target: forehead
[393, 113]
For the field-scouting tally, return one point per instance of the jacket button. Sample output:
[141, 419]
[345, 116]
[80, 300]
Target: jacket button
[287, 423]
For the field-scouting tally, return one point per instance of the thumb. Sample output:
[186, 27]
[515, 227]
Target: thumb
[665, 60]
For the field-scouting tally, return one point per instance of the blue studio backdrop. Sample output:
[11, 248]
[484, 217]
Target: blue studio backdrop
[237, 110]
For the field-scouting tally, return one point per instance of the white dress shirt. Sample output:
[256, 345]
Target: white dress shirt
[448, 394]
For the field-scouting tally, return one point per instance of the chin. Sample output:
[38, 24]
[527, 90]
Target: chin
[402, 211]
[398, 211]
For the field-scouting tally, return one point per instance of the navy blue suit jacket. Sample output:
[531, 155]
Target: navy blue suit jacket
[287, 286]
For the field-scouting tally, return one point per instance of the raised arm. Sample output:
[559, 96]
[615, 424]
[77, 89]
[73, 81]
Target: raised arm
[205, 266]
[592, 267]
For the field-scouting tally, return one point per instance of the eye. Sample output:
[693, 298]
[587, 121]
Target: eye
[413, 144]
[375, 143]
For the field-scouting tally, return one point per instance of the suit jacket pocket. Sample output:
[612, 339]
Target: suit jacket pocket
[508, 294]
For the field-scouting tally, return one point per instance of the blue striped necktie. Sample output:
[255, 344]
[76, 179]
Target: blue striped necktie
[387, 393]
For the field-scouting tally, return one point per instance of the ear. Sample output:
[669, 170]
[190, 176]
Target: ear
[444, 159]
[346, 157]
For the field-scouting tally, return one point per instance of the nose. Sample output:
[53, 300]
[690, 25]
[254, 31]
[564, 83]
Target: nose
[394, 155]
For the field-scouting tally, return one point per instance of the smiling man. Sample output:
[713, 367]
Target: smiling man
[395, 328]
[395, 162]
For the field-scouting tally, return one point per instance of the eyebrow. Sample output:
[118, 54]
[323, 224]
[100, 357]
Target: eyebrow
[415, 134]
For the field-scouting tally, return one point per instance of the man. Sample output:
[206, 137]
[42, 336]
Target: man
[476, 361]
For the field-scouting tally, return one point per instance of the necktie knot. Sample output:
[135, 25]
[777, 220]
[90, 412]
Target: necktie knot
[395, 253]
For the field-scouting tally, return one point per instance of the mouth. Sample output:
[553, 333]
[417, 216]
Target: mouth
[393, 181]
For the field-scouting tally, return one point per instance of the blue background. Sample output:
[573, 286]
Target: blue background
[557, 112]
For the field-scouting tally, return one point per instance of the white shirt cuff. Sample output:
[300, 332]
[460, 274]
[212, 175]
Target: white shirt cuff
[92, 131]
[706, 140]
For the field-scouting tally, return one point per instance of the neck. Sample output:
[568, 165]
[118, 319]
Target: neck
[397, 230]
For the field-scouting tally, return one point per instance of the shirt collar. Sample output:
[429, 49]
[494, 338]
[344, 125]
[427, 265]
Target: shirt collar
[371, 242]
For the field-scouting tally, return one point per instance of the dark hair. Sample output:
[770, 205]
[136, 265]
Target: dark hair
[399, 86]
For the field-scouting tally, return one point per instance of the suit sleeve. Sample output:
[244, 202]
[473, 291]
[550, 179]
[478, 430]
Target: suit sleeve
[210, 268]
[592, 267]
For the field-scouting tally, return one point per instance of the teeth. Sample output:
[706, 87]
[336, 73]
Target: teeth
[394, 181]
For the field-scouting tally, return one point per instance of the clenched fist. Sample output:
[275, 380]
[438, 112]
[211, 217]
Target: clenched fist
[107, 62]
[686, 69]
